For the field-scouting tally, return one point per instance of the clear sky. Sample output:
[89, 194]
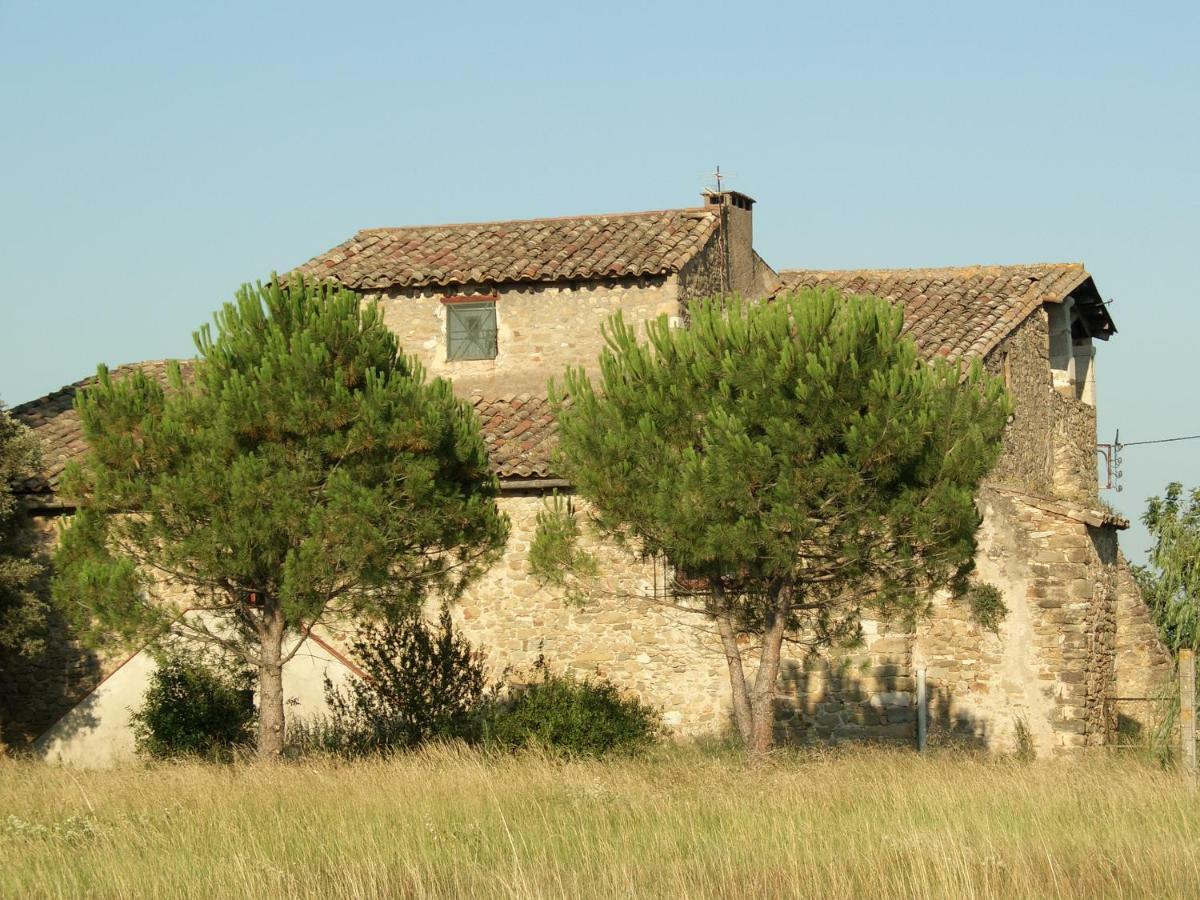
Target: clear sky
[156, 155]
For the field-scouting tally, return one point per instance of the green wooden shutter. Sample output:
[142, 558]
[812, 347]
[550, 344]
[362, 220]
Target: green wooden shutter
[471, 330]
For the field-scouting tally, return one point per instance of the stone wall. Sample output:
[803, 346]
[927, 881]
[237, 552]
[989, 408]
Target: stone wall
[1044, 674]
[542, 328]
[704, 274]
[1050, 672]
[1076, 472]
[1042, 679]
[1077, 633]
[631, 632]
[1050, 443]
[665, 656]
[1022, 360]
[1144, 668]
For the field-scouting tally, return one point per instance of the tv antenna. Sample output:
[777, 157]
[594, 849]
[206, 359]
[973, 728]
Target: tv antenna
[718, 176]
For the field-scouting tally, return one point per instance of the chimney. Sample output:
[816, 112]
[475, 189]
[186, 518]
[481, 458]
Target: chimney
[737, 236]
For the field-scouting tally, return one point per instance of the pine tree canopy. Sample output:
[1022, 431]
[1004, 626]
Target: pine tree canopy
[22, 610]
[797, 455]
[307, 461]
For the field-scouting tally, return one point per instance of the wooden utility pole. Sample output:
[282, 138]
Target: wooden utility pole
[1187, 709]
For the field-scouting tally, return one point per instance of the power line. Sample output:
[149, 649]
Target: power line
[1190, 437]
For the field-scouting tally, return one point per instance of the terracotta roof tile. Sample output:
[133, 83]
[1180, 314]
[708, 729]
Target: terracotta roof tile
[950, 312]
[54, 420]
[954, 312]
[578, 247]
[519, 431]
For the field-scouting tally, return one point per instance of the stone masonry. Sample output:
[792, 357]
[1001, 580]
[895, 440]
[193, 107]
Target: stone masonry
[1076, 635]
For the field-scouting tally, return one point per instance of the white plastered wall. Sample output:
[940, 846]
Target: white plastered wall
[98, 731]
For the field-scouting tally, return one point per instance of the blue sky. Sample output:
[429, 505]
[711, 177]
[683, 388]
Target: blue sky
[156, 155]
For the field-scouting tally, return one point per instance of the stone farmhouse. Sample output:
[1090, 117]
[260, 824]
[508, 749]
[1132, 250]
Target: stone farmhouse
[499, 308]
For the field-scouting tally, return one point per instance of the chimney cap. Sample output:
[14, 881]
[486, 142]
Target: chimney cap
[728, 198]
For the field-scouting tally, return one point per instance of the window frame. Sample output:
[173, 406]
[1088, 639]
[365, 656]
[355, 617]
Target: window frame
[468, 302]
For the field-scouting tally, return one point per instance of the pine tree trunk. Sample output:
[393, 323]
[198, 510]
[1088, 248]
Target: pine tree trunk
[739, 690]
[763, 702]
[270, 686]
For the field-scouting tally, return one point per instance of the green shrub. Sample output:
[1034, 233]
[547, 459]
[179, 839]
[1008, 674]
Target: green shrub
[572, 716]
[424, 682]
[191, 709]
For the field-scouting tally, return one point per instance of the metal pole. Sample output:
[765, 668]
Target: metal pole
[1187, 709]
[922, 710]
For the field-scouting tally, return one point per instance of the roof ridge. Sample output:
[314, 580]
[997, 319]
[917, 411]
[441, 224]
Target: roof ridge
[958, 311]
[89, 379]
[978, 267]
[614, 215]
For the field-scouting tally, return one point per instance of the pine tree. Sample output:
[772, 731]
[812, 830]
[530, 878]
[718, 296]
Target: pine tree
[308, 473]
[22, 611]
[795, 460]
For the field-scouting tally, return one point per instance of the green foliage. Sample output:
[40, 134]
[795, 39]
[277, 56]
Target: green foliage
[308, 461]
[426, 683]
[986, 603]
[555, 555]
[1172, 586]
[423, 683]
[192, 709]
[800, 441]
[796, 456]
[1025, 750]
[22, 611]
[572, 716]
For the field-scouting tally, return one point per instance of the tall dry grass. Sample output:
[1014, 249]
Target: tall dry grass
[682, 823]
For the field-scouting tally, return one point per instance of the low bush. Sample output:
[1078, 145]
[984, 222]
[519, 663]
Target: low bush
[192, 709]
[571, 716]
[424, 682]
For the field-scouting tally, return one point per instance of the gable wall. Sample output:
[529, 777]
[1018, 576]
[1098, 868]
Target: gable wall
[1022, 360]
[1050, 443]
[542, 328]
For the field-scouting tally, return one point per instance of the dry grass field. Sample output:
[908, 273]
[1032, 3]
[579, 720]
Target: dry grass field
[681, 823]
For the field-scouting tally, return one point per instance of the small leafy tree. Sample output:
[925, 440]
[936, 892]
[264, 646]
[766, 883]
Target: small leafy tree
[22, 611]
[796, 461]
[423, 682]
[192, 708]
[308, 473]
[1172, 585]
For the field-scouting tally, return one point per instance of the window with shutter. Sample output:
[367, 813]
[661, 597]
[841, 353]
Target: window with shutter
[471, 330]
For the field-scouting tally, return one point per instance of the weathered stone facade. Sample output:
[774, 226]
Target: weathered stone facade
[1046, 679]
[1076, 636]
[1046, 676]
[541, 328]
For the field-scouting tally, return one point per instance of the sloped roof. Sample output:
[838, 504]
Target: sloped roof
[562, 249]
[965, 311]
[952, 312]
[519, 431]
[54, 419]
